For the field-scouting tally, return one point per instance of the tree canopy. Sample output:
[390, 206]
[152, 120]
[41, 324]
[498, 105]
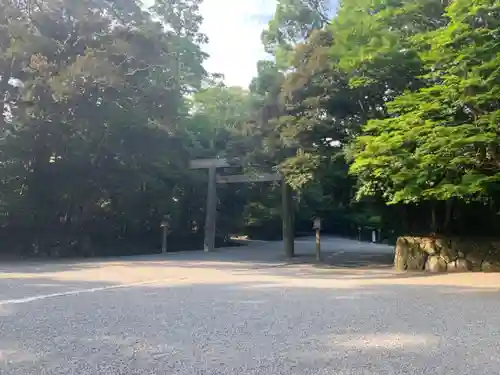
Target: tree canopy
[380, 113]
[390, 107]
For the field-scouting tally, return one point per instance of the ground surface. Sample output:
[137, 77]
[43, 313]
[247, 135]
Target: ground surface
[244, 311]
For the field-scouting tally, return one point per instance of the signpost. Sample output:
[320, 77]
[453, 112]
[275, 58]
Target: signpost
[213, 180]
[317, 226]
[165, 226]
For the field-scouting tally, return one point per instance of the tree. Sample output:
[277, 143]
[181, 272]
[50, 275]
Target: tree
[292, 23]
[92, 131]
[405, 90]
[336, 80]
[219, 115]
[440, 142]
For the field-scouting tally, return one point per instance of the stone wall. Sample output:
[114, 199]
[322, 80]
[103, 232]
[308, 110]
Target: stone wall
[447, 254]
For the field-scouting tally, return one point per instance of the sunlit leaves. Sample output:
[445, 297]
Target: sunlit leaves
[441, 141]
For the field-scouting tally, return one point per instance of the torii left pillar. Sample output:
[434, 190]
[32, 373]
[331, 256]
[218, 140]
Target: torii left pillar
[211, 214]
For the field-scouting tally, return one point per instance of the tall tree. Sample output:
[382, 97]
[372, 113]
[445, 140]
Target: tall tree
[440, 142]
[293, 22]
[219, 115]
[92, 135]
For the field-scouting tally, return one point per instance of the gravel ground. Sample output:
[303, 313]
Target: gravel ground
[242, 311]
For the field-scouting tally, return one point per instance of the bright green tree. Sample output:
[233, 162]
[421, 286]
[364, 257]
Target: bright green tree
[440, 142]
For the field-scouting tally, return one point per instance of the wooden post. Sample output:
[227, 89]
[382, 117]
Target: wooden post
[317, 226]
[209, 242]
[287, 216]
[164, 240]
[318, 245]
[165, 227]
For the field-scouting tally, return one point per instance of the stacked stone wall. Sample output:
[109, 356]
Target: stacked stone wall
[447, 254]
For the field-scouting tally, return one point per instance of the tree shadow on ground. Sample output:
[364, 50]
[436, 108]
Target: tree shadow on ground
[259, 253]
[242, 260]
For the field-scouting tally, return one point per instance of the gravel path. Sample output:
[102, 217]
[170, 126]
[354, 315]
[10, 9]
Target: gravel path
[242, 312]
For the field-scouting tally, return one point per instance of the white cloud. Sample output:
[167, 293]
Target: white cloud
[234, 28]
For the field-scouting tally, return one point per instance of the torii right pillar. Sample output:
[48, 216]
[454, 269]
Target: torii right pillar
[288, 220]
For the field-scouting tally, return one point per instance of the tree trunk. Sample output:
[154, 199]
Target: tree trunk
[406, 219]
[448, 215]
[433, 218]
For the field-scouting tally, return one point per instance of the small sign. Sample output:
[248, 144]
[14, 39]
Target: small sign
[317, 223]
[165, 222]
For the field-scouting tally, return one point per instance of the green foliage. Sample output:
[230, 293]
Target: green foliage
[293, 22]
[441, 141]
[93, 133]
[385, 116]
[218, 116]
[406, 91]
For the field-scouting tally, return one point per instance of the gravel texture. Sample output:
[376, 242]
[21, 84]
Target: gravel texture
[242, 311]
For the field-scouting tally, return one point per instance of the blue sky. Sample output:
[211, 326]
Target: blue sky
[233, 28]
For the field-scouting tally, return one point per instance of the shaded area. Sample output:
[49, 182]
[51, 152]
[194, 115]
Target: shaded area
[255, 328]
[242, 251]
[352, 260]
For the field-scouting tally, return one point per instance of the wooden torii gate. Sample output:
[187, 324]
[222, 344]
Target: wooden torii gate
[211, 213]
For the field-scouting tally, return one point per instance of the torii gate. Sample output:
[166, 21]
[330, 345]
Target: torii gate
[211, 213]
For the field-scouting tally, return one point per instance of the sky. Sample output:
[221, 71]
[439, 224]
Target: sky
[233, 28]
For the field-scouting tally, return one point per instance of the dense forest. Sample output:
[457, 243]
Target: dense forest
[380, 114]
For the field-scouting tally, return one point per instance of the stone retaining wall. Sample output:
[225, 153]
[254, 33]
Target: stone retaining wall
[447, 254]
